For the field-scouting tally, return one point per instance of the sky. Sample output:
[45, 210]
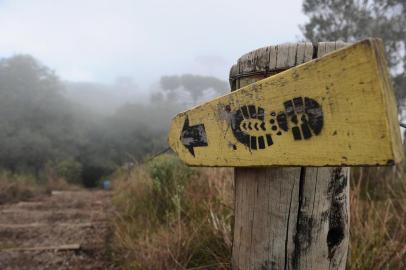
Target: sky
[100, 40]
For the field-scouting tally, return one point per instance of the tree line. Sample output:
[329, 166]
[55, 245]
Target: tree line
[40, 128]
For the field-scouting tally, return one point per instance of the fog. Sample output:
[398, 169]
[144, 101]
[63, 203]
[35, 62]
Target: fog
[92, 85]
[109, 53]
[100, 40]
[94, 128]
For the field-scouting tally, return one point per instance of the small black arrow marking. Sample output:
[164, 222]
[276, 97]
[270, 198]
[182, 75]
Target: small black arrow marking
[193, 136]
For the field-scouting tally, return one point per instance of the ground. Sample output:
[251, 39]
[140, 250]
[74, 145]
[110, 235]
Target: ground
[65, 230]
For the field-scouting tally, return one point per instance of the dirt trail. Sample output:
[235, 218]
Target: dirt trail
[66, 230]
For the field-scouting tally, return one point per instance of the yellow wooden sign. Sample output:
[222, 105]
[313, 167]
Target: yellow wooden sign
[337, 110]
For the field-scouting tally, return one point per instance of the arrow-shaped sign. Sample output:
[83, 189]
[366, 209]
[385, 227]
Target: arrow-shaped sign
[193, 136]
[333, 111]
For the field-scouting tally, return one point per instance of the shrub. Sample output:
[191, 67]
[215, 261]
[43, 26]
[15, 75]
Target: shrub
[20, 187]
[70, 170]
[169, 177]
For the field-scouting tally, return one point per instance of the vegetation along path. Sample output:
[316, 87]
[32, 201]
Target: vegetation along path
[66, 230]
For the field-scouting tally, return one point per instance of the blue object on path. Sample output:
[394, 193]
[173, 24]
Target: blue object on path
[106, 184]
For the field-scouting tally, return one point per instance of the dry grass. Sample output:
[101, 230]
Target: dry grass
[188, 224]
[17, 187]
[185, 225]
[55, 182]
[22, 187]
[378, 220]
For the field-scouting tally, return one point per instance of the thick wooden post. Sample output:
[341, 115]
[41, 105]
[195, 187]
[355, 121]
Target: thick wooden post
[288, 218]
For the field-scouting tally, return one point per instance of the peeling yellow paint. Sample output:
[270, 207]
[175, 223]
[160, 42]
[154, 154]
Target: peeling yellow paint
[359, 117]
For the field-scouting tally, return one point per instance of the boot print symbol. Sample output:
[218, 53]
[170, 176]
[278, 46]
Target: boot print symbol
[248, 125]
[302, 116]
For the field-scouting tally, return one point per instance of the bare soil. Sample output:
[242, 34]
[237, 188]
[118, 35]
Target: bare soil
[65, 230]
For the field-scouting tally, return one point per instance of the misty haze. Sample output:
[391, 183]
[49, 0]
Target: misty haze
[88, 90]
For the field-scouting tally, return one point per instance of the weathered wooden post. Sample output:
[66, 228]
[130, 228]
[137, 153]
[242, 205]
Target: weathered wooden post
[294, 216]
[308, 122]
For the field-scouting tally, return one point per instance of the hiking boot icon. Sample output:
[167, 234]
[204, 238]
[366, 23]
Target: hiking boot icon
[303, 116]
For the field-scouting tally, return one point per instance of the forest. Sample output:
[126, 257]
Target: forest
[44, 126]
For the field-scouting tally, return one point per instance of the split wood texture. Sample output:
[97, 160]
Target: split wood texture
[288, 218]
[338, 110]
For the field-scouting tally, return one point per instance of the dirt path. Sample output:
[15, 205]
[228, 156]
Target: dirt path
[66, 230]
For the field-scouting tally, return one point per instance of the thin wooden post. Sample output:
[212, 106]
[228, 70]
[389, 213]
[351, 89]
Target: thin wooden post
[288, 218]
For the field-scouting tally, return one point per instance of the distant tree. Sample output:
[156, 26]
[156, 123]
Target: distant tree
[70, 170]
[194, 84]
[170, 82]
[36, 122]
[157, 97]
[352, 20]
[136, 130]
[40, 127]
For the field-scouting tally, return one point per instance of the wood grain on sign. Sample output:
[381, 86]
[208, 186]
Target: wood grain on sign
[333, 111]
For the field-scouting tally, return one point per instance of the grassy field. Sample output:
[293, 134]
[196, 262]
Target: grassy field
[22, 187]
[169, 216]
[378, 219]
